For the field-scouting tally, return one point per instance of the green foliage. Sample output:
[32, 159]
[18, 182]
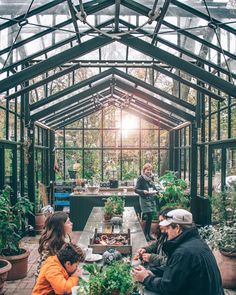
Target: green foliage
[222, 238]
[114, 205]
[224, 207]
[173, 191]
[104, 280]
[127, 175]
[12, 219]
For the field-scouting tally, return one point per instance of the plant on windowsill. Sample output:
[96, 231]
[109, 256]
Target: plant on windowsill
[13, 218]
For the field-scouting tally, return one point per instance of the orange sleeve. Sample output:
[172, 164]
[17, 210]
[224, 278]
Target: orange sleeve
[60, 284]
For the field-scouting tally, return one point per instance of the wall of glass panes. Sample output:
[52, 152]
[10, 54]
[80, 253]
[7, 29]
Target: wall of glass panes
[110, 143]
[11, 145]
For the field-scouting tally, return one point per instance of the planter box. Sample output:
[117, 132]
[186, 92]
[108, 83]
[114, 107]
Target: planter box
[101, 248]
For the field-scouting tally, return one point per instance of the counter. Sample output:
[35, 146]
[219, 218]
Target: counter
[81, 206]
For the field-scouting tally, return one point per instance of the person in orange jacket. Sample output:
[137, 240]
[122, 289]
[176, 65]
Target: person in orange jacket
[60, 273]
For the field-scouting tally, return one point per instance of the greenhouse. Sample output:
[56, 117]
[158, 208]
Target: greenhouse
[111, 112]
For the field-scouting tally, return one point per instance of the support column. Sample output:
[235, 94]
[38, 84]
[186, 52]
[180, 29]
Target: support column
[194, 161]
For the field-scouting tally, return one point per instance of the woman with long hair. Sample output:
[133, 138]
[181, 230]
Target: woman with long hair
[58, 228]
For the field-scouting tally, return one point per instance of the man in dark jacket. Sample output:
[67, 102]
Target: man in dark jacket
[191, 268]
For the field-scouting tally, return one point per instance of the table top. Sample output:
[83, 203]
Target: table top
[130, 221]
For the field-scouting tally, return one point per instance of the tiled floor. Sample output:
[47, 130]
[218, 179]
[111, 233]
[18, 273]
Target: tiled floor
[25, 286]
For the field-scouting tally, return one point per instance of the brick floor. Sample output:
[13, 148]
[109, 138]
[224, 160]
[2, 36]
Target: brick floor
[25, 286]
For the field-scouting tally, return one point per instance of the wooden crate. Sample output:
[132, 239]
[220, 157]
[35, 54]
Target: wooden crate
[100, 248]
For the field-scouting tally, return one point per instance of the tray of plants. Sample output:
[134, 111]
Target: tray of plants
[101, 242]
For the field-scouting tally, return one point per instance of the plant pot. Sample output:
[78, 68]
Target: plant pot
[39, 222]
[19, 265]
[107, 217]
[5, 267]
[227, 267]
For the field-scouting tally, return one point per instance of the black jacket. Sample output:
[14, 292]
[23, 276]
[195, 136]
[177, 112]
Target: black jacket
[191, 268]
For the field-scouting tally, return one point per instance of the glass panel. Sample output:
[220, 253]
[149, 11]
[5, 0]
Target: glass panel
[59, 164]
[214, 127]
[2, 124]
[216, 170]
[73, 157]
[233, 121]
[149, 138]
[231, 164]
[130, 164]
[93, 121]
[74, 138]
[224, 124]
[92, 164]
[92, 138]
[130, 138]
[111, 138]
[9, 167]
[111, 117]
[111, 163]
[11, 130]
[164, 138]
[164, 162]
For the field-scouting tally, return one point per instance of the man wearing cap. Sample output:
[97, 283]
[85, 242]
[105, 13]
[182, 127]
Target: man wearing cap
[191, 268]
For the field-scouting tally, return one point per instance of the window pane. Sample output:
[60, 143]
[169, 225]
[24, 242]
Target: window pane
[130, 164]
[111, 164]
[73, 138]
[149, 138]
[111, 138]
[92, 164]
[92, 138]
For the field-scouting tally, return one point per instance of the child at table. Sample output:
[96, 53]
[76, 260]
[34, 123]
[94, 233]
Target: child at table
[60, 273]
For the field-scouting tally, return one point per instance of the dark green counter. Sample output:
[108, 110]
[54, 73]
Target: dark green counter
[82, 205]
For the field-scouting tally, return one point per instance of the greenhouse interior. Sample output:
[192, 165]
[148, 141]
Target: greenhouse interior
[111, 113]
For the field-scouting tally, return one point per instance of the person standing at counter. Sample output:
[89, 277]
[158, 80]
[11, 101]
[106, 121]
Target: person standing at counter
[146, 190]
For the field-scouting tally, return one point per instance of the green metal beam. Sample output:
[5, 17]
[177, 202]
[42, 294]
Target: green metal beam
[180, 64]
[160, 20]
[117, 15]
[35, 11]
[70, 89]
[154, 100]
[74, 19]
[70, 100]
[153, 89]
[203, 16]
[53, 47]
[188, 83]
[141, 9]
[155, 112]
[94, 6]
[71, 110]
[196, 38]
[53, 62]
[34, 37]
[182, 50]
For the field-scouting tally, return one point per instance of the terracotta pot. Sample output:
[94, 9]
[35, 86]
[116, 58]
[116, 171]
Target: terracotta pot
[39, 222]
[227, 267]
[5, 266]
[19, 265]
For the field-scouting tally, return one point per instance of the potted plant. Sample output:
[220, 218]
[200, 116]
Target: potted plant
[222, 240]
[13, 218]
[5, 266]
[173, 191]
[114, 206]
[113, 279]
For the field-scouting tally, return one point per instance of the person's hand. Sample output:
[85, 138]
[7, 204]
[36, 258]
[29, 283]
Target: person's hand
[146, 257]
[140, 273]
[141, 251]
[146, 192]
[77, 273]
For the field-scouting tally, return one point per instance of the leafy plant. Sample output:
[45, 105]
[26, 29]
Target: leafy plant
[222, 238]
[106, 280]
[173, 191]
[13, 218]
[114, 205]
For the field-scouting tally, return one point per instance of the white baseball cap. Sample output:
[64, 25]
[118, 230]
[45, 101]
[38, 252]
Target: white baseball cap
[179, 216]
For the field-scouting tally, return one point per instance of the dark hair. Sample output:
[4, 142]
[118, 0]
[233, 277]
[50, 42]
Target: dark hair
[183, 227]
[70, 252]
[163, 213]
[53, 236]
